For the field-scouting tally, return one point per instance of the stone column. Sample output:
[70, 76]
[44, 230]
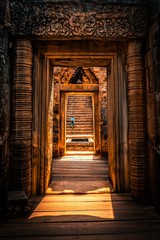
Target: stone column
[137, 121]
[21, 126]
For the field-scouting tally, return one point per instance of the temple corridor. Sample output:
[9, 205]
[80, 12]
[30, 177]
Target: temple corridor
[80, 119]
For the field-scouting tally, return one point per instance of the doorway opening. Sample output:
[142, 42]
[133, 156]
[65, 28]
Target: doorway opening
[97, 72]
[79, 121]
[80, 91]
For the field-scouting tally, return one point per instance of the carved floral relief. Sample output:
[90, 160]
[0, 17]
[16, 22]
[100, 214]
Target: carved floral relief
[69, 20]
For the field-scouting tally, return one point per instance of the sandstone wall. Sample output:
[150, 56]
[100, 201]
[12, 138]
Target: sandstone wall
[4, 107]
[152, 61]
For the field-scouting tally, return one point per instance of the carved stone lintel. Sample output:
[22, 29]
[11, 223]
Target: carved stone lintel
[21, 117]
[137, 119]
[50, 20]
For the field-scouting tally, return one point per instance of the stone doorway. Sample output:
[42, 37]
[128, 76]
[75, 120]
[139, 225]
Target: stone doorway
[84, 35]
[50, 71]
[89, 84]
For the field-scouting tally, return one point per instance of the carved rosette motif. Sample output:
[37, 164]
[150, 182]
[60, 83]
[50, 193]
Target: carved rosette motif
[70, 20]
[137, 120]
[21, 117]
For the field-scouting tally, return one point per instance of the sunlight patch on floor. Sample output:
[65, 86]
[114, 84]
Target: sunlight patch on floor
[76, 157]
[75, 206]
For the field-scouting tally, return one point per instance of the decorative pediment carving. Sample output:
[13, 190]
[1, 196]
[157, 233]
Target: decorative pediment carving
[51, 20]
[83, 76]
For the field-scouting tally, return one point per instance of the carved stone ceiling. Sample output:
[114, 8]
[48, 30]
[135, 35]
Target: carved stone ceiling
[78, 19]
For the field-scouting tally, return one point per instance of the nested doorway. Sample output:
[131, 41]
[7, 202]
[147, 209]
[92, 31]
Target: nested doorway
[117, 113]
[83, 137]
[79, 123]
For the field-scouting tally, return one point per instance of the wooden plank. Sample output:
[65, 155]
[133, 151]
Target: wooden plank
[127, 236]
[79, 168]
[95, 215]
[79, 171]
[81, 174]
[83, 216]
[79, 228]
[81, 161]
[82, 206]
[82, 197]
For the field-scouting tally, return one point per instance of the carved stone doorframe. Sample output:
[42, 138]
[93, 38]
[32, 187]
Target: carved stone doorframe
[115, 160]
[22, 138]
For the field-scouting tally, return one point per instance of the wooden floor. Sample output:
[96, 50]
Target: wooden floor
[84, 216]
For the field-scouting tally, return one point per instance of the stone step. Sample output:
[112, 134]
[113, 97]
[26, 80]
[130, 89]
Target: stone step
[78, 105]
[79, 111]
[72, 132]
[79, 108]
[81, 119]
[80, 144]
[78, 126]
[70, 98]
[78, 129]
[79, 148]
[80, 114]
[70, 102]
[81, 136]
[84, 123]
[87, 98]
[78, 101]
[81, 124]
[81, 127]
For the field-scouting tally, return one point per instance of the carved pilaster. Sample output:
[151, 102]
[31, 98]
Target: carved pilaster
[137, 120]
[21, 117]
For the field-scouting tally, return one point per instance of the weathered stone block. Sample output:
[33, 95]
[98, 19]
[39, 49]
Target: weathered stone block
[17, 203]
[152, 57]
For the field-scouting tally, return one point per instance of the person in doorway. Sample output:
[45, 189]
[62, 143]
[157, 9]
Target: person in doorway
[72, 122]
